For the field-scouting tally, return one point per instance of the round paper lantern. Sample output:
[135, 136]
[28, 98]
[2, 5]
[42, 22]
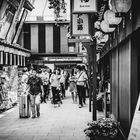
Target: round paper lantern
[122, 6]
[109, 17]
[105, 27]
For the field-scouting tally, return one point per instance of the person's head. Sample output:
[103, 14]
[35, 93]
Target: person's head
[57, 71]
[25, 69]
[34, 72]
[79, 68]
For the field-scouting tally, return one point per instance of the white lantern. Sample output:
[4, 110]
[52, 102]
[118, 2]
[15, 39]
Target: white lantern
[105, 27]
[122, 6]
[97, 25]
[109, 17]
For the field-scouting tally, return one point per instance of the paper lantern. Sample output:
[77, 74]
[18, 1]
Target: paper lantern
[97, 25]
[100, 37]
[111, 5]
[109, 17]
[122, 6]
[105, 27]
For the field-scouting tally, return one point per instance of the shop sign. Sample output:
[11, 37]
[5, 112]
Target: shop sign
[134, 133]
[84, 6]
[65, 59]
[80, 24]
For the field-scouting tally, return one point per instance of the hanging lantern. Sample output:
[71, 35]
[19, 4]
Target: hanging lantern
[111, 5]
[109, 17]
[105, 27]
[100, 37]
[122, 6]
[97, 25]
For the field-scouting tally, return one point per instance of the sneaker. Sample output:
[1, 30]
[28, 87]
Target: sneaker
[33, 117]
[80, 106]
[58, 104]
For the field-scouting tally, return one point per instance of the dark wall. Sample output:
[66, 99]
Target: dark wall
[56, 39]
[27, 36]
[41, 38]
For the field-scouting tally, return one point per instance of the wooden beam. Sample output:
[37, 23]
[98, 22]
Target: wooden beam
[78, 40]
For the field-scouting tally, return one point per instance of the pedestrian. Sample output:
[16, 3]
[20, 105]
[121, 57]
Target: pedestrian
[85, 84]
[46, 86]
[81, 78]
[35, 91]
[62, 83]
[24, 80]
[72, 86]
[55, 87]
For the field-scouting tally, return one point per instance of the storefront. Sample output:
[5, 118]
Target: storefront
[123, 51]
[11, 59]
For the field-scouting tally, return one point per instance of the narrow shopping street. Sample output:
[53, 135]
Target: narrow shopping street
[55, 123]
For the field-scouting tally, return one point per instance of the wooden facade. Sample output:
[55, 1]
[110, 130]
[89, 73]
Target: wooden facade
[123, 51]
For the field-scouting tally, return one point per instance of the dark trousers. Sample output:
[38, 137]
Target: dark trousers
[81, 94]
[55, 95]
[63, 90]
[46, 92]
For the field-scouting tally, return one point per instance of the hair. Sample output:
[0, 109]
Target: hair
[25, 69]
[72, 72]
[79, 67]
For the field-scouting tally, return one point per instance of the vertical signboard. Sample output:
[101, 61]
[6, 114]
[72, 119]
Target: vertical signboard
[134, 133]
[80, 24]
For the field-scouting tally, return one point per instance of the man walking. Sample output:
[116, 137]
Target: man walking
[35, 90]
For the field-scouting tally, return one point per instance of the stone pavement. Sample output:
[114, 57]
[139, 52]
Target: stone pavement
[55, 123]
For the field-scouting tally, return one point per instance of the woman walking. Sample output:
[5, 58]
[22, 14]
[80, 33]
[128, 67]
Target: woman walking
[55, 87]
[72, 87]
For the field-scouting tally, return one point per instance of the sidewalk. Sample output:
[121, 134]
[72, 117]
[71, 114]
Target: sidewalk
[55, 123]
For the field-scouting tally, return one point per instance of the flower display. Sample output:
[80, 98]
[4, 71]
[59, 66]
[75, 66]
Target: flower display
[104, 127]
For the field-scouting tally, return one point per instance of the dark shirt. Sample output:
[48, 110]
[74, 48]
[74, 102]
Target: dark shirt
[35, 85]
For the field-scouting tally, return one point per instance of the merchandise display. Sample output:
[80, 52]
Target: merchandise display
[8, 87]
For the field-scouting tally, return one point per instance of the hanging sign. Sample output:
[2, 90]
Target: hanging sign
[134, 133]
[80, 24]
[84, 6]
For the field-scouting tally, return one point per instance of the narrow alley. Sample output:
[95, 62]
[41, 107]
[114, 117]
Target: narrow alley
[55, 123]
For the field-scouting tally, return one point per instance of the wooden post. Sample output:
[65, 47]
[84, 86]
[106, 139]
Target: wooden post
[94, 79]
[24, 14]
[14, 23]
[87, 46]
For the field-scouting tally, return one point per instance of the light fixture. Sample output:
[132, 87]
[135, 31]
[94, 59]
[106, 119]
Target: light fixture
[109, 17]
[105, 27]
[121, 6]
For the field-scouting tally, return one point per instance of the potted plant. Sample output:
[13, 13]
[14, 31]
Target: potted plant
[104, 128]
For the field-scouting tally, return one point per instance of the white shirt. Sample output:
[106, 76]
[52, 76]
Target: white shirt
[81, 78]
[55, 80]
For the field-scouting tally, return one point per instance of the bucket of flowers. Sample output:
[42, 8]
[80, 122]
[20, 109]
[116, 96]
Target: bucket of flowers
[104, 127]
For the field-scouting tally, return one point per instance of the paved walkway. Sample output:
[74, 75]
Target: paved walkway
[55, 123]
